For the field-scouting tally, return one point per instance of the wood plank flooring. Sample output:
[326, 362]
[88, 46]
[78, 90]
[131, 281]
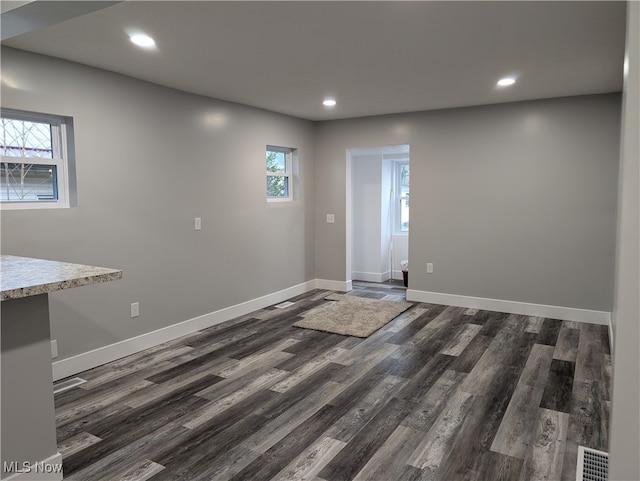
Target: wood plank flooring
[439, 393]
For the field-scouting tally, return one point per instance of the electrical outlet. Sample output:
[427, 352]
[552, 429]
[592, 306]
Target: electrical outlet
[197, 223]
[135, 309]
[54, 349]
[429, 268]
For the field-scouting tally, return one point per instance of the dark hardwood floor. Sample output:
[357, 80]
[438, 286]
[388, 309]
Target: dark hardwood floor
[439, 393]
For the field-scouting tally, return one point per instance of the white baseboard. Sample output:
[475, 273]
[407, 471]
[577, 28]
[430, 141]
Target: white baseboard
[371, 276]
[39, 470]
[342, 286]
[88, 360]
[512, 307]
[611, 343]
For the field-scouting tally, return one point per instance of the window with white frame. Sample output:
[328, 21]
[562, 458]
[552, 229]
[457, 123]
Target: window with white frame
[279, 173]
[402, 196]
[34, 172]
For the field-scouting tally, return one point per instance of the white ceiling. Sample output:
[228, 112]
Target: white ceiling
[373, 57]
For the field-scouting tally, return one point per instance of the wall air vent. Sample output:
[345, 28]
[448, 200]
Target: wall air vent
[284, 305]
[67, 384]
[593, 465]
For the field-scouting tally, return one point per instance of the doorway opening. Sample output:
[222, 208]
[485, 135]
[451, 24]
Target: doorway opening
[377, 186]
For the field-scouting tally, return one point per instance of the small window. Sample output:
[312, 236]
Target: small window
[34, 172]
[279, 173]
[402, 196]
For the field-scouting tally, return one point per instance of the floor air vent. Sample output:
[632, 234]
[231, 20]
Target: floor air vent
[282, 305]
[68, 384]
[593, 465]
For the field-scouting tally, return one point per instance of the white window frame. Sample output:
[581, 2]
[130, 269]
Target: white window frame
[60, 150]
[288, 173]
[399, 197]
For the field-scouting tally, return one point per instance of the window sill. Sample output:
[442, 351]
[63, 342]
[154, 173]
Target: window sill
[33, 205]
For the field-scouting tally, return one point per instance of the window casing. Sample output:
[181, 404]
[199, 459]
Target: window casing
[279, 163]
[402, 197]
[34, 172]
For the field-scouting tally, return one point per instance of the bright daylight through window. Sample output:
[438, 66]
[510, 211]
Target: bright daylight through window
[279, 173]
[34, 172]
[402, 193]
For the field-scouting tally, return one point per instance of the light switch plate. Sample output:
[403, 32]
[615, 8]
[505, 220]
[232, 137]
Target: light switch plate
[331, 218]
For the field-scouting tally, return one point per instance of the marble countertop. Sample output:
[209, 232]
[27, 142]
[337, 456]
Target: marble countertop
[26, 276]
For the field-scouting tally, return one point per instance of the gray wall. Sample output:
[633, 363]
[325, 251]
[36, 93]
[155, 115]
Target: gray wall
[513, 201]
[625, 422]
[149, 160]
[370, 188]
[367, 191]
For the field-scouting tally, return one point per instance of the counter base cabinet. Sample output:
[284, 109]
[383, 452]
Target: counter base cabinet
[29, 448]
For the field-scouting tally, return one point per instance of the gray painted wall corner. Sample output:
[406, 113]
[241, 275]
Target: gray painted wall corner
[149, 160]
[513, 201]
[625, 416]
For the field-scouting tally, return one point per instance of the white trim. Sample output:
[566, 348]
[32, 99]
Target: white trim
[611, 343]
[371, 276]
[348, 217]
[398, 197]
[34, 475]
[288, 172]
[88, 360]
[60, 160]
[397, 275]
[512, 307]
[342, 286]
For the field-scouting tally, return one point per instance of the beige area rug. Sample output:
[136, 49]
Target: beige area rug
[352, 315]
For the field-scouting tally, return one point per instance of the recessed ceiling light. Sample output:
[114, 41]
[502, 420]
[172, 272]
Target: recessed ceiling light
[505, 82]
[142, 40]
[329, 102]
